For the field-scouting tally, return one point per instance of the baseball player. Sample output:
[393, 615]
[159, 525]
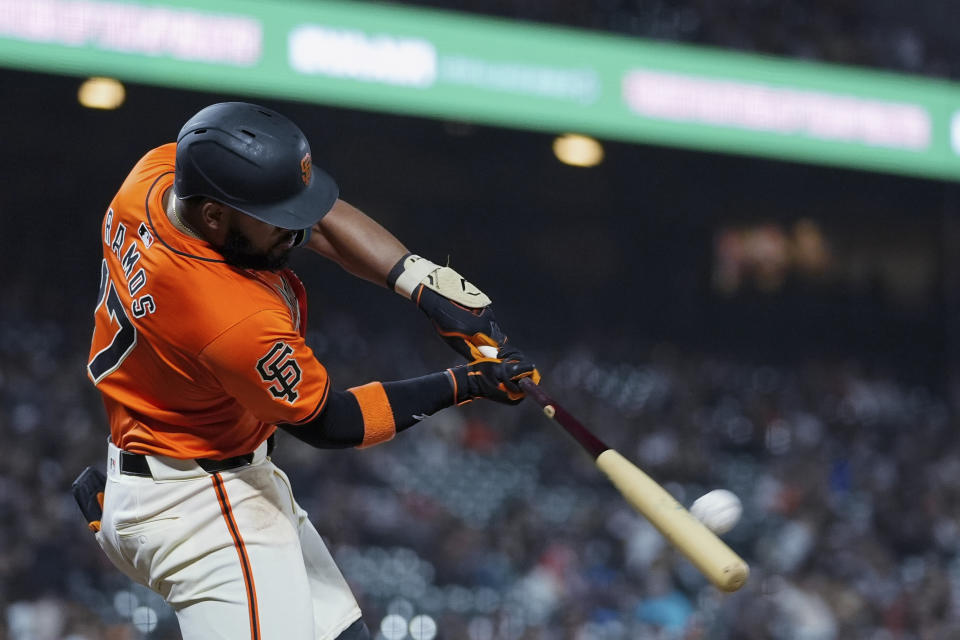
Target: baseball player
[198, 351]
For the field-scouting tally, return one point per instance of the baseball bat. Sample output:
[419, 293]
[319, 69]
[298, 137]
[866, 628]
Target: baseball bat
[708, 553]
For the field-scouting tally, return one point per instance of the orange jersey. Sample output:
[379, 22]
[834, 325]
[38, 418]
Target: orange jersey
[194, 358]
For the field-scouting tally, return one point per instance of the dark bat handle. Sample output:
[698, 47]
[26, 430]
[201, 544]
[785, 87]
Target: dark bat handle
[591, 443]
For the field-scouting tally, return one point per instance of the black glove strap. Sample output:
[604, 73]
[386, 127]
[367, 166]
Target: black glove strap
[396, 271]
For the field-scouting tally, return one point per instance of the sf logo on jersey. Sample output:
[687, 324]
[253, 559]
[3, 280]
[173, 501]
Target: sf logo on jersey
[282, 371]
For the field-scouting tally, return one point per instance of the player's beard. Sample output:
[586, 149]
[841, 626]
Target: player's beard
[238, 251]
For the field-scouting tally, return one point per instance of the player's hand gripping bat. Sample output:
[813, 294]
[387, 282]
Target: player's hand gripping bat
[708, 553]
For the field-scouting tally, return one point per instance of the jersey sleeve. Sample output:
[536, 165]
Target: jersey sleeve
[268, 368]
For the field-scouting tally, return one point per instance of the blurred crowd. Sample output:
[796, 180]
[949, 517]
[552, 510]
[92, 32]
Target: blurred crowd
[488, 523]
[907, 37]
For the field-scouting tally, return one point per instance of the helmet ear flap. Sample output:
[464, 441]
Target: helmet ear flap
[302, 237]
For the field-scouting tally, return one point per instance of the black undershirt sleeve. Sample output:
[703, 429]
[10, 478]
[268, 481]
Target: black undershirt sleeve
[341, 425]
[338, 426]
[416, 398]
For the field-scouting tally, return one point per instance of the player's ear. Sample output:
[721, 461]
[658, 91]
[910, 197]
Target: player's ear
[213, 215]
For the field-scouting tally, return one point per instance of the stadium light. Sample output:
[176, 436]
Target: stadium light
[577, 150]
[101, 93]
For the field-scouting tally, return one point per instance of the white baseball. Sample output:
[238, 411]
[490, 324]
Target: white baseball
[719, 510]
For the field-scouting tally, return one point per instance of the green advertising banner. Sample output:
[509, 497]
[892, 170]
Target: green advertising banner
[446, 65]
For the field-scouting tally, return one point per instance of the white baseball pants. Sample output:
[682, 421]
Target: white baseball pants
[232, 552]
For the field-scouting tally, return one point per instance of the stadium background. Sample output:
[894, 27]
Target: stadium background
[785, 330]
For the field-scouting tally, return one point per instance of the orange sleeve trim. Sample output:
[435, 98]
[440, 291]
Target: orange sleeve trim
[378, 423]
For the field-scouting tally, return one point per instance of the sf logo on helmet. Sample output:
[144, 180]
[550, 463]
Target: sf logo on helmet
[306, 167]
[282, 371]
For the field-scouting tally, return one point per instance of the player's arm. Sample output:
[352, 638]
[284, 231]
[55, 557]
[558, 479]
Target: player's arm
[356, 242]
[274, 374]
[458, 310]
[375, 412]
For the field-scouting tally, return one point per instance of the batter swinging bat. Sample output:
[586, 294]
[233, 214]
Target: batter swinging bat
[724, 568]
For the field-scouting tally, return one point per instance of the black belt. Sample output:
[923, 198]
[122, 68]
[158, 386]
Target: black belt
[135, 464]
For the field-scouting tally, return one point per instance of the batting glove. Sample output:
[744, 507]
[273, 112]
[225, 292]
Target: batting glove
[459, 311]
[496, 379]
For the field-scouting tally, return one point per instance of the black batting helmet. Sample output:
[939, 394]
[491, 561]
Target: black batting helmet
[255, 160]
